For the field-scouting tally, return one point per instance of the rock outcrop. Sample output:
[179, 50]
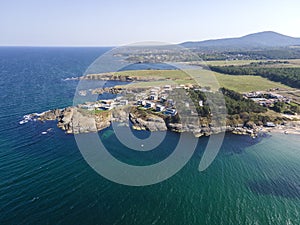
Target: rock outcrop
[150, 122]
[76, 120]
[50, 115]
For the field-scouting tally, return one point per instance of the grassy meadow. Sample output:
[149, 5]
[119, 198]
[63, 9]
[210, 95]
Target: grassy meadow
[203, 78]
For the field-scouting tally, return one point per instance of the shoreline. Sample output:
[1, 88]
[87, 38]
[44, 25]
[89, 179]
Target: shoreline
[282, 130]
[154, 109]
[73, 121]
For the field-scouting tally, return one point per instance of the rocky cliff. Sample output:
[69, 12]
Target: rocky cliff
[150, 122]
[76, 120]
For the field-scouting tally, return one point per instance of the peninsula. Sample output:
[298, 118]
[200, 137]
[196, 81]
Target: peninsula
[151, 103]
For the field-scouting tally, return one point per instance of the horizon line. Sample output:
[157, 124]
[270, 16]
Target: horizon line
[114, 46]
[57, 46]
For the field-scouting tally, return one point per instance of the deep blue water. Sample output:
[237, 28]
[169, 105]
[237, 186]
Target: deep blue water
[45, 180]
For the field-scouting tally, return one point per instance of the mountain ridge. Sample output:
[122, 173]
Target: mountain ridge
[265, 39]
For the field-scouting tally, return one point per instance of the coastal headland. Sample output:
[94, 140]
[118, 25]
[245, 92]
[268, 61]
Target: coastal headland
[149, 103]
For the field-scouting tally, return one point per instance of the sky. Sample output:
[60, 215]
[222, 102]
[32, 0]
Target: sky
[116, 22]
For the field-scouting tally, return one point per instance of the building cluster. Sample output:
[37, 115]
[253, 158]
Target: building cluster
[157, 99]
[104, 104]
[267, 99]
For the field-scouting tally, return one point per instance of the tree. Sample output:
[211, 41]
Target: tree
[278, 107]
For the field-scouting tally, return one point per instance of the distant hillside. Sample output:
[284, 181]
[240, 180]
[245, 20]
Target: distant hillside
[267, 39]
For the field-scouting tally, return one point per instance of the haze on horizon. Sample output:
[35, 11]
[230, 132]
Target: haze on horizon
[111, 23]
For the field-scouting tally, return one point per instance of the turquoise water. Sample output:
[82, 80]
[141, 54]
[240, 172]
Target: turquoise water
[45, 180]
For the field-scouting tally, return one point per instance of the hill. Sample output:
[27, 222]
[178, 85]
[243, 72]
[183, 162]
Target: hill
[266, 39]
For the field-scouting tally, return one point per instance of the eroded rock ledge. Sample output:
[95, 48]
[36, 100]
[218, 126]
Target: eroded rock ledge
[75, 120]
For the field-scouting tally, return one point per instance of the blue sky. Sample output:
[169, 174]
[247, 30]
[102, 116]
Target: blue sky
[113, 22]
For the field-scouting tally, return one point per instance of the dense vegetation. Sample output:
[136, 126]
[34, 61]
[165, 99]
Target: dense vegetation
[281, 53]
[239, 111]
[235, 103]
[288, 76]
[191, 53]
[259, 54]
[282, 107]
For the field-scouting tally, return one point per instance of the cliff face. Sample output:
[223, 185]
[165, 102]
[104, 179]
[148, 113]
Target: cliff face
[149, 122]
[76, 120]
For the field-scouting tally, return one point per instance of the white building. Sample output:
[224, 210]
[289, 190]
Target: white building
[153, 97]
[107, 101]
[106, 107]
[160, 108]
[171, 112]
[150, 105]
[141, 102]
[124, 102]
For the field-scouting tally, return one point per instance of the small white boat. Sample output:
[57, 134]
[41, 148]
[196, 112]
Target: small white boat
[23, 121]
[44, 132]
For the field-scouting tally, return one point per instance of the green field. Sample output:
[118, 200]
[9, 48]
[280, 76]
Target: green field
[248, 83]
[203, 78]
[230, 62]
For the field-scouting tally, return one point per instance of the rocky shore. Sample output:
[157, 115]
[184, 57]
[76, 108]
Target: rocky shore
[74, 120]
[154, 109]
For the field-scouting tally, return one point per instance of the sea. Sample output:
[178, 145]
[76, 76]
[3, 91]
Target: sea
[44, 179]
